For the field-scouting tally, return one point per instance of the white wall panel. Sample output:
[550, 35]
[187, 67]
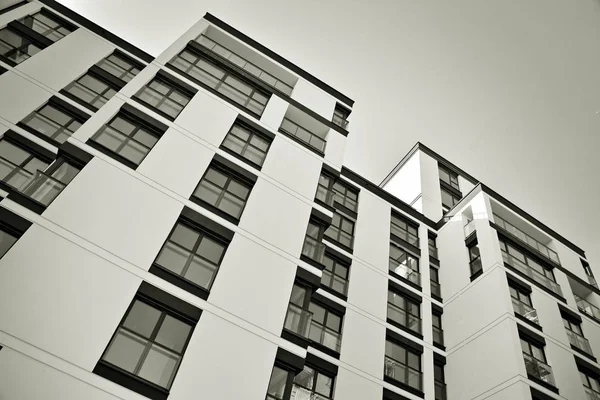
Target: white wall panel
[349, 385]
[334, 150]
[367, 290]
[274, 112]
[357, 331]
[372, 231]
[314, 98]
[15, 108]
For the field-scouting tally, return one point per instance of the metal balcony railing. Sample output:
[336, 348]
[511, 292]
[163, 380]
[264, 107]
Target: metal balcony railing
[405, 272]
[579, 341]
[402, 373]
[525, 238]
[313, 249]
[300, 393]
[436, 289]
[525, 311]
[440, 390]
[538, 369]
[400, 316]
[304, 135]
[587, 308]
[244, 64]
[532, 273]
[298, 320]
[591, 395]
[326, 337]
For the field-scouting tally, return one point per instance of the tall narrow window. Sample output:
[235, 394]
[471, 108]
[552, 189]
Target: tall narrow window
[165, 95]
[439, 381]
[128, 137]
[449, 177]
[247, 143]
[433, 251]
[298, 318]
[404, 265]
[448, 200]
[278, 384]
[335, 275]
[475, 261]
[575, 334]
[326, 327]
[535, 362]
[522, 305]
[341, 230]
[404, 312]
[345, 195]
[438, 332]
[149, 343]
[403, 365]
[48, 25]
[591, 384]
[325, 192]
[312, 384]
[313, 248]
[55, 121]
[223, 190]
[434, 277]
[340, 116]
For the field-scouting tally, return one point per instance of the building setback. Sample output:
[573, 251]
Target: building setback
[183, 227]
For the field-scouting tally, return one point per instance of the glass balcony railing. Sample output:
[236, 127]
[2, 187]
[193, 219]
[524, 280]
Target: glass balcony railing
[402, 318]
[440, 390]
[300, 393]
[406, 272]
[304, 135]
[579, 341]
[313, 249]
[532, 273]
[591, 395]
[537, 369]
[438, 335]
[402, 373]
[298, 320]
[587, 308]
[244, 64]
[326, 337]
[525, 311]
[525, 238]
[476, 266]
[325, 195]
[436, 289]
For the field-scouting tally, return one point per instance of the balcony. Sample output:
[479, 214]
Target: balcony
[525, 238]
[538, 370]
[579, 342]
[440, 390]
[313, 249]
[525, 311]
[300, 393]
[405, 272]
[298, 320]
[401, 318]
[587, 308]
[436, 289]
[244, 64]
[401, 373]
[326, 337]
[531, 273]
[438, 336]
[591, 395]
[305, 136]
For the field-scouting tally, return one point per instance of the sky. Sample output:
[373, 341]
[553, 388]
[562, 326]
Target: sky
[507, 90]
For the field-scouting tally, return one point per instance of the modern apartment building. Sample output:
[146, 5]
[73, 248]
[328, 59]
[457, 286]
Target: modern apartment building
[184, 227]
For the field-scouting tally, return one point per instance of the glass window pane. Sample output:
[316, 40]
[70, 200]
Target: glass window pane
[277, 383]
[133, 151]
[12, 153]
[184, 236]
[173, 333]
[238, 189]
[298, 295]
[208, 192]
[231, 205]
[318, 313]
[324, 385]
[125, 350]
[334, 322]
[201, 272]
[173, 258]
[211, 250]
[142, 318]
[305, 378]
[6, 241]
[159, 366]
[414, 361]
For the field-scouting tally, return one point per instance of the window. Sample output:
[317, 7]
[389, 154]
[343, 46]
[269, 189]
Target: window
[433, 251]
[127, 137]
[402, 365]
[313, 247]
[55, 121]
[47, 185]
[438, 332]
[149, 343]
[345, 195]
[535, 362]
[403, 311]
[193, 254]
[589, 273]
[335, 275]
[401, 229]
[591, 384]
[90, 90]
[517, 258]
[47, 25]
[298, 318]
[7, 239]
[340, 116]
[522, 305]
[575, 334]
[248, 143]
[325, 192]
[311, 140]
[221, 80]
[326, 327]
[448, 200]
[439, 381]
[475, 261]
[222, 189]
[312, 384]
[404, 265]
[120, 66]
[434, 277]
[16, 47]
[278, 384]
[165, 96]
[449, 177]
[341, 230]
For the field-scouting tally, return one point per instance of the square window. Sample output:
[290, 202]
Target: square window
[247, 143]
[165, 95]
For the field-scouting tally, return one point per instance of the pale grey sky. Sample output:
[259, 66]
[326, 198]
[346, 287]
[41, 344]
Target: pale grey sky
[507, 90]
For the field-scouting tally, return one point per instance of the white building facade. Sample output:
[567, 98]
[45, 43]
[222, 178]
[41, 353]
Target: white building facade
[183, 227]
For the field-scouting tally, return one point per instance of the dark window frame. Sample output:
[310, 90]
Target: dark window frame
[408, 256]
[124, 77]
[455, 200]
[334, 233]
[62, 23]
[239, 124]
[409, 304]
[451, 174]
[316, 373]
[324, 326]
[437, 315]
[331, 274]
[409, 235]
[341, 198]
[174, 86]
[404, 383]
[475, 264]
[340, 116]
[103, 95]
